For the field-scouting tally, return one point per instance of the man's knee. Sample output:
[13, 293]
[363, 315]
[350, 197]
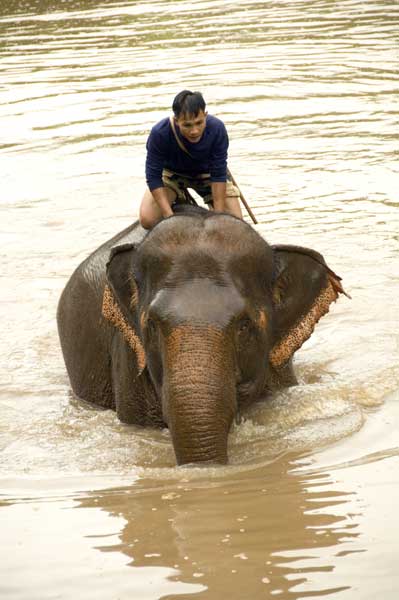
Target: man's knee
[233, 206]
[146, 222]
[147, 211]
[148, 215]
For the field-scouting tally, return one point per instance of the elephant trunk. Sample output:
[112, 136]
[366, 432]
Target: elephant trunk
[199, 393]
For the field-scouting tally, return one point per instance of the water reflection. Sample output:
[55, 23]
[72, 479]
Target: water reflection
[242, 537]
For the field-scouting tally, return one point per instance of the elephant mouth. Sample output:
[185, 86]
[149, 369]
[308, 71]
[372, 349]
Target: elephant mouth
[246, 392]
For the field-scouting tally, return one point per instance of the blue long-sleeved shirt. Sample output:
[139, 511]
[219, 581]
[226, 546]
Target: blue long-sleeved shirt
[209, 155]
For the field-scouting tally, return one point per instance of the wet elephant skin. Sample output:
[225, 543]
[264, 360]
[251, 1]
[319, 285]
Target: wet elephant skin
[186, 325]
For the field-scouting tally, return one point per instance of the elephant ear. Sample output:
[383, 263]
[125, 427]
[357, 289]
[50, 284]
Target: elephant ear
[121, 296]
[304, 287]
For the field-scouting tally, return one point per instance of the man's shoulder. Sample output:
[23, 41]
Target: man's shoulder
[162, 127]
[215, 122]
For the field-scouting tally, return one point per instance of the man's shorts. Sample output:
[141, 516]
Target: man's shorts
[200, 183]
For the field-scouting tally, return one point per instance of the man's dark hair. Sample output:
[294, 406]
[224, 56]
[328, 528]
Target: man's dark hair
[188, 103]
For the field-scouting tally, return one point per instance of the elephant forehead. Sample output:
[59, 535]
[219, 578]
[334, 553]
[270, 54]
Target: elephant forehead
[198, 300]
[211, 233]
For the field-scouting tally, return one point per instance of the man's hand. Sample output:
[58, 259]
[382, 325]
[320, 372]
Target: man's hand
[219, 195]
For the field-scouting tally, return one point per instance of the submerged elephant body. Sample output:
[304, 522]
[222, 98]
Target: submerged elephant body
[186, 325]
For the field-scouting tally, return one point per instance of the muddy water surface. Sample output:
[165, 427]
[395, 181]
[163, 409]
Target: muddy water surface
[93, 509]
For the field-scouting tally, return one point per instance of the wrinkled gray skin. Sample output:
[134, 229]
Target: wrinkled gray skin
[206, 300]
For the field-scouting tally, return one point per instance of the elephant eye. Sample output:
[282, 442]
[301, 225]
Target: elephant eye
[244, 325]
[151, 327]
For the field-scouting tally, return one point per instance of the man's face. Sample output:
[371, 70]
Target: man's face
[192, 127]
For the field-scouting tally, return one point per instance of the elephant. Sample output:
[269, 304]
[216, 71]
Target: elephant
[185, 325]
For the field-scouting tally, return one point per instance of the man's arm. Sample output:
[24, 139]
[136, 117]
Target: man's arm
[218, 166]
[155, 160]
[219, 195]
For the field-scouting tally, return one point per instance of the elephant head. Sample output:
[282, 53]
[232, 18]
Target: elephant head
[213, 314]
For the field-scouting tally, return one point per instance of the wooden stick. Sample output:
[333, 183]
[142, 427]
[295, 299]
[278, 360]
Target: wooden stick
[245, 203]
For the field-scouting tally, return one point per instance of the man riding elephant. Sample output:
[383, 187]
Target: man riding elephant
[188, 150]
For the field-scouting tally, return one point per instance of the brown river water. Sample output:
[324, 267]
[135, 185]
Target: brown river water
[308, 506]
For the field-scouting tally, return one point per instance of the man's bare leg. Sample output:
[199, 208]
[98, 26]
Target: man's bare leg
[225, 198]
[233, 207]
[150, 211]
